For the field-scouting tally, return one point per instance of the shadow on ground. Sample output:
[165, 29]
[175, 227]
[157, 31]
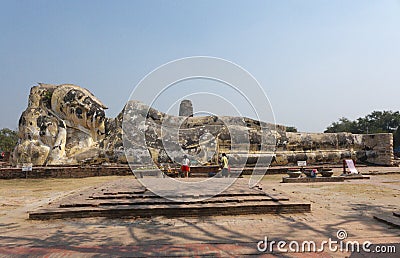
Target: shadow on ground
[212, 236]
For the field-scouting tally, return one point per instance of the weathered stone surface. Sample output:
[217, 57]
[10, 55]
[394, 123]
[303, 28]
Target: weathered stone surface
[128, 198]
[312, 180]
[186, 108]
[334, 147]
[60, 124]
[66, 124]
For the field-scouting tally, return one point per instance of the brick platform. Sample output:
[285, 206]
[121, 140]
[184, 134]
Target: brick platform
[391, 219]
[355, 177]
[312, 179]
[127, 198]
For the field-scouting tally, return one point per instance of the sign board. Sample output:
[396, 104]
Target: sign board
[301, 163]
[27, 167]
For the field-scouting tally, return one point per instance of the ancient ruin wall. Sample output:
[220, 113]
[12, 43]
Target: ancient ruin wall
[322, 148]
[66, 124]
[377, 149]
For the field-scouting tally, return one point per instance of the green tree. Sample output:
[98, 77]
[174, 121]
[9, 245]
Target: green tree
[8, 139]
[344, 125]
[383, 121]
[376, 122]
[291, 129]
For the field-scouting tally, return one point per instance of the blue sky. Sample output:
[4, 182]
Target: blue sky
[316, 60]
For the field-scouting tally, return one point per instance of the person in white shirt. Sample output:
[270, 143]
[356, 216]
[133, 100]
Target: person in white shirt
[185, 168]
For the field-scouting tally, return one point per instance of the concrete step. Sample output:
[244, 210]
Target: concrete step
[178, 210]
[388, 219]
[152, 196]
[312, 179]
[155, 201]
[128, 198]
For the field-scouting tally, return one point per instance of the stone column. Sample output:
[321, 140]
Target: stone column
[186, 108]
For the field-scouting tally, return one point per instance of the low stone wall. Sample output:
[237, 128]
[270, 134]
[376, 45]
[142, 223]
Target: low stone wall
[323, 148]
[312, 180]
[64, 172]
[334, 147]
[377, 149]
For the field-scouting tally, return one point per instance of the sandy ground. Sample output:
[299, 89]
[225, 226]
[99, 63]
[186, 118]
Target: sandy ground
[347, 206]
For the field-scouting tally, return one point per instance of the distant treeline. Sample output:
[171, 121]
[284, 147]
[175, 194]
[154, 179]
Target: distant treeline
[376, 122]
[8, 139]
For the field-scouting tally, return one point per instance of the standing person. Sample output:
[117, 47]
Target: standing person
[225, 165]
[185, 166]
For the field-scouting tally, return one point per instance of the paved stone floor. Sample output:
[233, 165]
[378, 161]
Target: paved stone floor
[347, 206]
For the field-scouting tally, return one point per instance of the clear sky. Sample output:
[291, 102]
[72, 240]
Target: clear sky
[316, 60]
